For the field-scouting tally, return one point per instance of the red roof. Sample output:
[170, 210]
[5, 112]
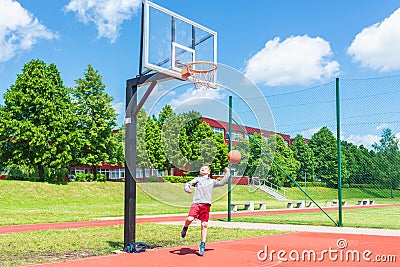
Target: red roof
[249, 130]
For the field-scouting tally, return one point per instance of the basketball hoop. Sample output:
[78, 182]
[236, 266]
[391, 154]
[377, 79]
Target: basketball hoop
[202, 73]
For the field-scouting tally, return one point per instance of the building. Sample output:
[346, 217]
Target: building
[223, 127]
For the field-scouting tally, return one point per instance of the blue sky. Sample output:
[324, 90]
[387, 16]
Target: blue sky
[278, 44]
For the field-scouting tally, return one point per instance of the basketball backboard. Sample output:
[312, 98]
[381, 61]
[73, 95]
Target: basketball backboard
[171, 41]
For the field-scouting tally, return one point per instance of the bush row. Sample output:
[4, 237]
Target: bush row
[178, 179]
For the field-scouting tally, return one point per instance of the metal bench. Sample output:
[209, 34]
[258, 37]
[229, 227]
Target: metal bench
[366, 201]
[335, 202]
[296, 204]
[249, 206]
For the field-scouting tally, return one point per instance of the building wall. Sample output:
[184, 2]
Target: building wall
[222, 126]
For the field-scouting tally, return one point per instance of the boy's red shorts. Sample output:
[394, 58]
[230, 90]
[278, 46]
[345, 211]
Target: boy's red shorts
[200, 211]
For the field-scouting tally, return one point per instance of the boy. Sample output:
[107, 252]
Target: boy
[202, 198]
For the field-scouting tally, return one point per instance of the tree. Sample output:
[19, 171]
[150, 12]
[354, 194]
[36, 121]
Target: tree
[38, 127]
[142, 158]
[165, 113]
[303, 154]
[97, 118]
[154, 148]
[388, 156]
[170, 142]
[221, 157]
[284, 157]
[204, 148]
[254, 162]
[323, 144]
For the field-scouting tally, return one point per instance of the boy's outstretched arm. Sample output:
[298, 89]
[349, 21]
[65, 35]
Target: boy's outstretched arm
[224, 179]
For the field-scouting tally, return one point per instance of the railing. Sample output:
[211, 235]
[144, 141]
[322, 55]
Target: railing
[274, 187]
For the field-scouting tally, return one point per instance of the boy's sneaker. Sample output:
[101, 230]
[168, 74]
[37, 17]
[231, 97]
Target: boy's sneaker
[202, 247]
[183, 232]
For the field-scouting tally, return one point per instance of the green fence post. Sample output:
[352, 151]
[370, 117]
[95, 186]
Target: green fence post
[229, 149]
[339, 154]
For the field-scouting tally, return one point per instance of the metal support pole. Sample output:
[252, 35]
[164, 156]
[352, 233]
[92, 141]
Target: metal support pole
[339, 154]
[130, 160]
[229, 149]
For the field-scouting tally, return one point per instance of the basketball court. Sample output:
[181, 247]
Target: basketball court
[289, 249]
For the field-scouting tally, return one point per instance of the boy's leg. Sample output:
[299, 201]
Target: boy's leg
[202, 245]
[204, 226]
[188, 221]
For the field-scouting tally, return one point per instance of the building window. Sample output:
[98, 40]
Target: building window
[147, 172]
[139, 173]
[217, 130]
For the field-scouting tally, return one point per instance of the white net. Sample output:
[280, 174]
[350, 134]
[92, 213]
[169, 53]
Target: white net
[202, 74]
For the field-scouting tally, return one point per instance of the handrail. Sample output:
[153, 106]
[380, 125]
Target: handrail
[268, 184]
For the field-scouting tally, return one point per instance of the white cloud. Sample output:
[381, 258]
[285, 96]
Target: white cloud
[309, 133]
[107, 15]
[296, 60]
[366, 140]
[382, 126]
[195, 97]
[119, 107]
[378, 46]
[19, 30]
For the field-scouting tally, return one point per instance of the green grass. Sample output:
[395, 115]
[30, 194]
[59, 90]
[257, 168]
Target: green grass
[386, 218]
[24, 202]
[56, 245]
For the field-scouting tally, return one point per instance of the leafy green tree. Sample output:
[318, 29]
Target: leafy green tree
[284, 157]
[221, 157]
[204, 148]
[142, 158]
[358, 164]
[323, 144]
[304, 155]
[154, 148]
[193, 120]
[165, 113]
[38, 126]
[116, 148]
[254, 162]
[171, 140]
[388, 160]
[97, 119]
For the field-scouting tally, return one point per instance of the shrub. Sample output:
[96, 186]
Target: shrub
[101, 177]
[16, 174]
[178, 179]
[83, 177]
[312, 184]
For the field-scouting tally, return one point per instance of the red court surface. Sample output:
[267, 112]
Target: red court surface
[295, 249]
[290, 249]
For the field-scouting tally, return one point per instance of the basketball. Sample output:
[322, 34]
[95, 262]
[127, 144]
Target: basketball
[234, 156]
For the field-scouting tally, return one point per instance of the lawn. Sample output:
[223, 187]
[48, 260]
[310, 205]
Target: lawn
[24, 202]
